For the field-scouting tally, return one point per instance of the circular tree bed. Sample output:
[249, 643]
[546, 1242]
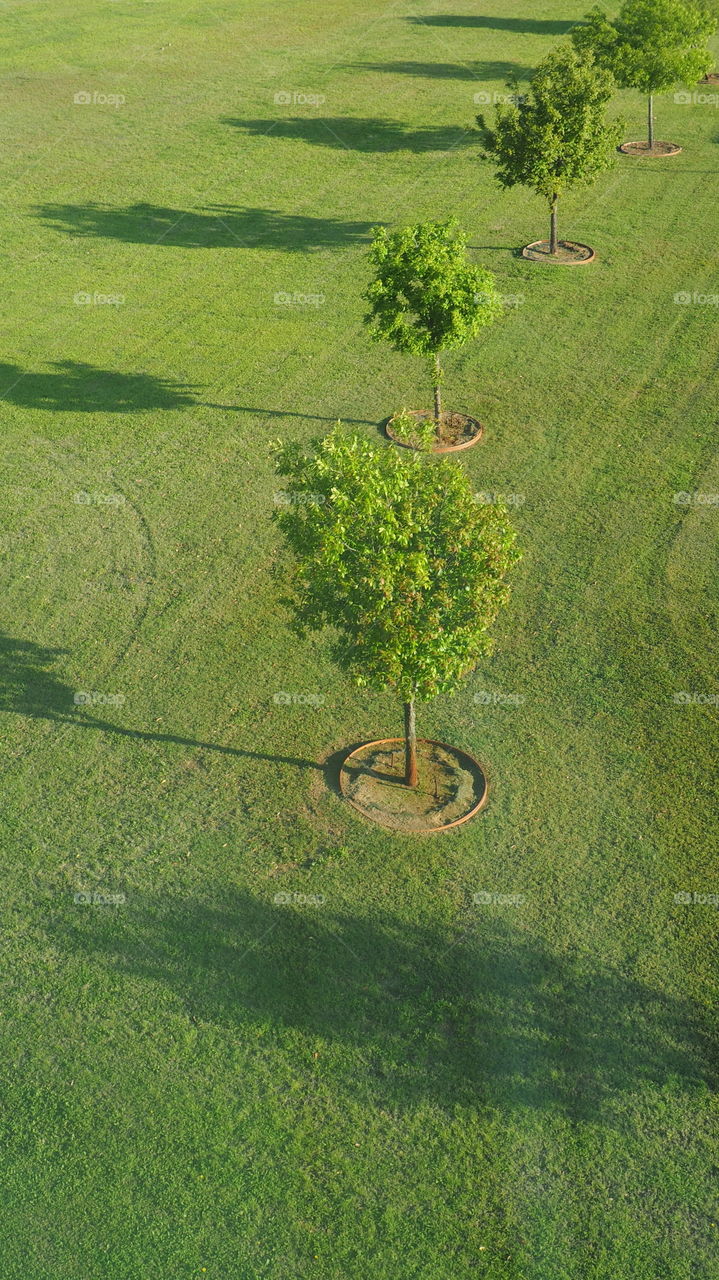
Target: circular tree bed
[569, 254]
[452, 786]
[656, 152]
[457, 431]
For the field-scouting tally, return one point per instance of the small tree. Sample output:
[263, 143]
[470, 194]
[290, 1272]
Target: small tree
[555, 137]
[651, 46]
[395, 555]
[427, 297]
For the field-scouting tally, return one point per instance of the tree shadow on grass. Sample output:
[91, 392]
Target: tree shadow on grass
[76, 387]
[487, 1016]
[29, 687]
[215, 227]
[447, 70]
[27, 683]
[346, 133]
[525, 26]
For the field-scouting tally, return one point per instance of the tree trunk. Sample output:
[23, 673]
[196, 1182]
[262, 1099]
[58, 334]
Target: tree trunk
[437, 392]
[553, 241]
[650, 121]
[410, 745]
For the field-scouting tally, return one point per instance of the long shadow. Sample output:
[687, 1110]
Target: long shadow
[346, 133]
[495, 248]
[78, 387]
[29, 687]
[286, 413]
[528, 26]
[483, 1016]
[447, 70]
[215, 227]
[82, 388]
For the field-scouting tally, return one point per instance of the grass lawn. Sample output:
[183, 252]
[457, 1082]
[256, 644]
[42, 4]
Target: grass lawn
[380, 1075]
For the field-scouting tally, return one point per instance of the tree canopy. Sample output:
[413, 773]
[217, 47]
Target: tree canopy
[394, 554]
[556, 135]
[653, 44]
[427, 296]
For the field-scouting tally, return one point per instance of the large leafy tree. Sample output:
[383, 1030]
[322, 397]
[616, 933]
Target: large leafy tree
[555, 136]
[652, 45]
[427, 296]
[393, 553]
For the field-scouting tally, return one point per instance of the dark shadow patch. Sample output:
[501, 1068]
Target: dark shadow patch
[522, 26]
[493, 70]
[215, 227]
[76, 387]
[483, 1015]
[346, 133]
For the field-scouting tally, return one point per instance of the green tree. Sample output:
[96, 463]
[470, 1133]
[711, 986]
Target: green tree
[555, 137]
[652, 45]
[393, 553]
[427, 296]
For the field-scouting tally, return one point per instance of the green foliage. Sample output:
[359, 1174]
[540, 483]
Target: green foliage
[710, 7]
[652, 44]
[420, 432]
[398, 558]
[427, 297]
[556, 136]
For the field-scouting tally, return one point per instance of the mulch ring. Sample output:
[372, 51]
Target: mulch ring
[569, 253]
[452, 786]
[712, 78]
[457, 431]
[657, 152]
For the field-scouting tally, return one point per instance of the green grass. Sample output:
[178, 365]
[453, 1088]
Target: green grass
[395, 1083]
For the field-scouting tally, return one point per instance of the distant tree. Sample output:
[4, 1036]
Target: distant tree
[427, 296]
[394, 554]
[652, 45]
[555, 136]
[709, 8]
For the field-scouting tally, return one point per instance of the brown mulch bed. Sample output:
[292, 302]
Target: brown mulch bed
[650, 153]
[457, 431]
[569, 253]
[452, 786]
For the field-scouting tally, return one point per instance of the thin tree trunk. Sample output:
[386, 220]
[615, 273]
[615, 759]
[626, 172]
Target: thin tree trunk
[437, 392]
[553, 241]
[410, 745]
[650, 121]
